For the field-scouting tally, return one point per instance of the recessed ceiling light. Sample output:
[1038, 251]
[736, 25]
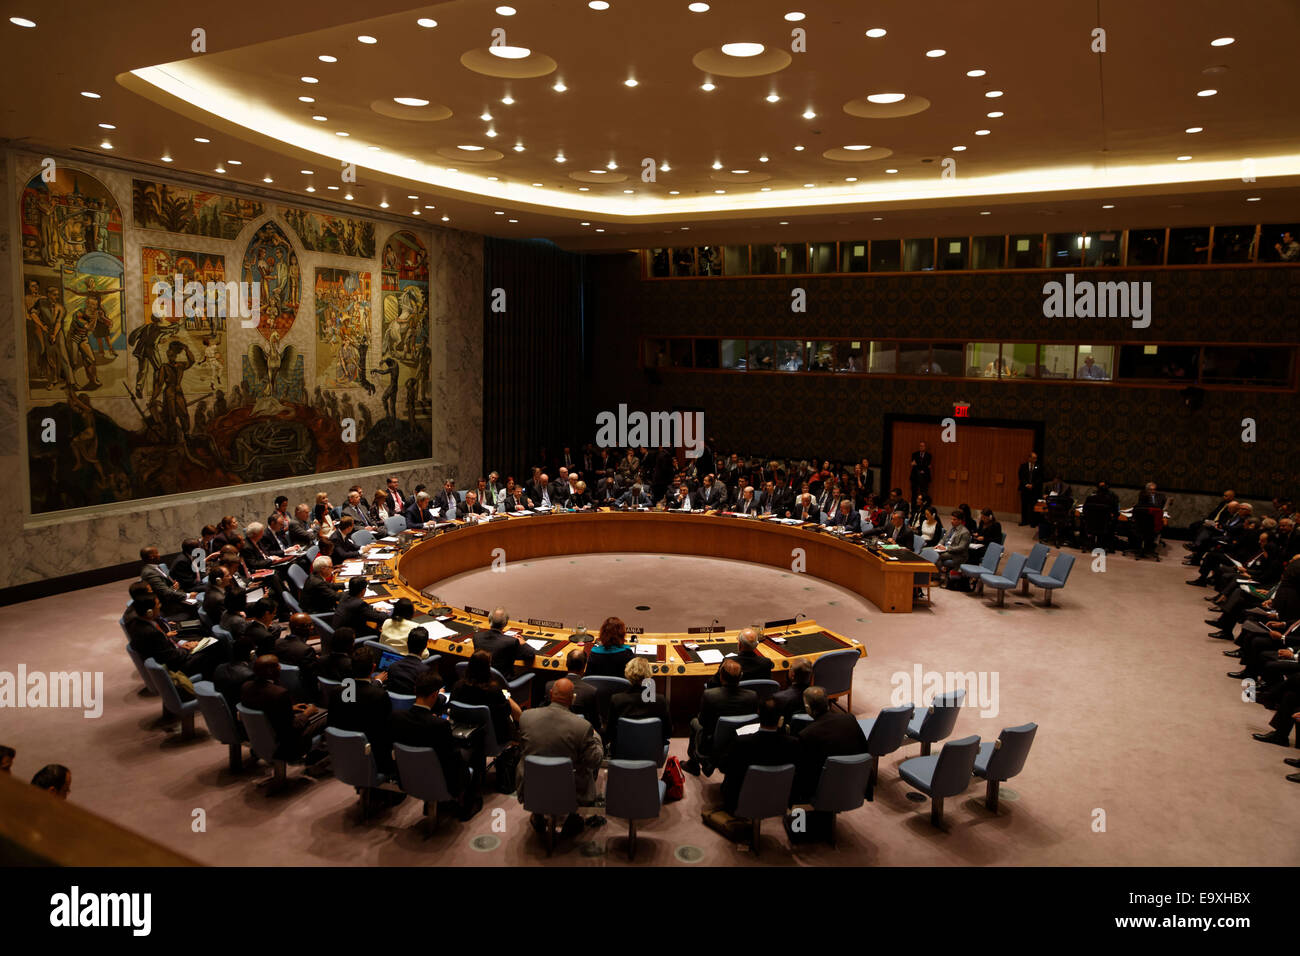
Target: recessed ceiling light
[335, 188]
[365, 38]
[600, 230]
[498, 212]
[235, 162]
[306, 99]
[165, 159]
[959, 149]
[1194, 129]
[996, 114]
[220, 169]
[891, 171]
[326, 58]
[485, 116]
[347, 196]
[851, 179]
[809, 185]
[985, 212]
[22, 22]
[1109, 205]
[412, 197]
[877, 218]
[597, 172]
[739, 172]
[698, 7]
[105, 145]
[598, 5]
[505, 11]
[560, 158]
[510, 52]
[89, 95]
[886, 97]
[427, 23]
[508, 100]
[311, 189]
[611, 165]
[1206, 92]
[762, 159]
[559, 86]
[470, 148]
[798, 149]
[415, 212]
[107, 126]
[630, 81]
[1223, 41]
[765, 189]
[674, 192]
[430, 206]
[1183, 159]
[201, 139]
[743, 49]
[783, 222]
[490, 134]
[375, 149]
[584, 189]
[935, 54]
[341, 133]
[993, 94]
[512, 220]
[309, 79]
[876, 33]
[982, 132]
[267, 179]
[975, 72]
[410, 101]
[627, 191]
[664, 167]
[384, 204]
[1252, 199]
[518, 147]
[773, 98]
[584, 224]
[491, 179]
[794, 16]
[707, 86]
[306, 172]
[717, 164]
[809, 114]
[320, 119]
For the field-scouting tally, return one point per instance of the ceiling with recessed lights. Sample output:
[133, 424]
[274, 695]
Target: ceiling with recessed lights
[841, 119]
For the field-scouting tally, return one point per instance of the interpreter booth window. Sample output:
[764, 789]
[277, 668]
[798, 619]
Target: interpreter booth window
[661, 263]
[1158, 363]
[1064, 250]
[987, 252]
[779, 258]
[918, 255]
[822, 256]
[835, 356]
[706, 353]
[946, 358]
[1234, 365]
[886, 255]
[853, 256]
[732, 354]
[1101, 248]
[914, 359]
[1020, 360]
[684, 262]
[1189, 246]
[1096, 363]
[1056, 361]
[1232, 243]
[788, 356]
[953, 253]
[656, 353]
[882, 358]
[708, 260]
[735, 260]
[1146, 247]
[1026, 252]
[1279, 242]
[983, 360]
[682, 353]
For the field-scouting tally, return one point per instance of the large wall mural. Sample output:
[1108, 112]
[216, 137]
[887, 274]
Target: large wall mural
[141, 395]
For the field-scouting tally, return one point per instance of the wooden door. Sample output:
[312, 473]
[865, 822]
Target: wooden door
[979, 468]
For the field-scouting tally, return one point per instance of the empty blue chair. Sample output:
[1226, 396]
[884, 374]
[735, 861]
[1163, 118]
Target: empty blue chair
[420, 775]
[947, 775]
[633, 791]
[138, 661]
[205, 619]
[833, 673]
[362, 537]
[297, 575]
[222, 634]
[325, 690]
[171, 698]
[1004, 582]
[221, 722]
[764, 793]
[311, 554]
[291, 679]
[324, 625]
[918, 542]
[1037, 558]
[291, 601]
[1050, 582]
[763, 688]
[641, 739]
[841, 786]
[724, 732]
[988, 564]
[401, 701]
[395, 524]
[1003, 758]
[475, 715]
[261, 740]
[550, 788]
[885, 733]
[354, 763]
[936, 722]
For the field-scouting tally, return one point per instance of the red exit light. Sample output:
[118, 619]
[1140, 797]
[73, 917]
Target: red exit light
[961, 411]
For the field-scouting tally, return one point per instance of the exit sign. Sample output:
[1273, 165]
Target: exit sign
[961, 410]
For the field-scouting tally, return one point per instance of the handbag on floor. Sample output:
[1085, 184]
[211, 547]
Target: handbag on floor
[675, 777]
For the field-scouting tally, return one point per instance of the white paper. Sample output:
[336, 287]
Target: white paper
[391, 539]
[747, 730]
[383, 606]
[647, 650]
[710, 656]
[437, 630]
[535, 643]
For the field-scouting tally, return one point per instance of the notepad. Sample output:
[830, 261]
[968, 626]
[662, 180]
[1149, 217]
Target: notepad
[646, 650]
[709, 656]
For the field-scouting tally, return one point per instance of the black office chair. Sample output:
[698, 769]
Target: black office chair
[1097, 530]
[1060, 519]
[1143, 534]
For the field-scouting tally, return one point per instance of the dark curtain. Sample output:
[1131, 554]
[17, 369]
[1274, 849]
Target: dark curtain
[534, 365]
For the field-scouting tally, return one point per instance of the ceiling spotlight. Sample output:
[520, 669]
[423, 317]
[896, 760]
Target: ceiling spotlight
[773, 98]
[762, 159]
[1252, 199]
[415, 212]
[975, 72]
[326, 58]
[959, 149]
[107, 126]
[165, 159]
[341, 133]
[335, 188]
[235, 162]
[794, 16]
[306, 172]
[201, 139]
[430, 206]
[1223, 41]
[857, 147]
[707, 86]
[537, 184]
[320, 119]
[611, 165]
[985, 212]
[559, 158]
[982, 132]
[220, 169]
[935, 54]
[743, 49]
[1206, 92]
[490, 134]
[105, 145]
[798, 149]
[498, 212]
[876, 33]
[877, 218]
[506, 11]
[485, 116]
[24, 22]
[410, 101]
[600, 230]
[311, 189]
[267, 179]
[627, 191]
[891, 171]
[598, 5]
[427, 23]
[850, 179]
[375, 149]
[596, 172]
[809, 185]
[584, 189]
[512, 220]
[305, 79]
[1183, 159]
[384, 204]
[1109, 205]
[886, 97]
[364, 38]
[996, 114]
[518, 147]
[783, 222]
[510, 52]
[508, 100]
[306, 99]
[664, 167]
[89, 95]
[559, 86]
[630, 81]
[719, 191]
[739, 172]
[1194, 129]
[717, 164]
[809, 114]
[698, 7]
[993, 94]
[446, 218]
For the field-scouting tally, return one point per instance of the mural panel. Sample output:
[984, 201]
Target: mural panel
[340, 235]
[271, 263]
[204, 333]
[191, 211]
[406, 354]
[343, 328]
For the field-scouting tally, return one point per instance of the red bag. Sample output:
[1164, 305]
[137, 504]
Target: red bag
[675, 777]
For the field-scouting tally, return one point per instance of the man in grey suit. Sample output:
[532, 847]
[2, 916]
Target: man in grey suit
[556, 731]
[954, 548]
[175, 606]
[355, 510]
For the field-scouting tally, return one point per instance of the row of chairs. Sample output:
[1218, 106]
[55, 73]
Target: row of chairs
[1020, 569]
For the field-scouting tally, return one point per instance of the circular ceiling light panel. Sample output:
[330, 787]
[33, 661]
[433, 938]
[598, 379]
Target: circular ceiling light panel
[585, 176]
[846, 154]
[489, 61]
[909, 105]
[728, 176]
[428, 113]
[886, 98]
[760, 62]
[482, 155]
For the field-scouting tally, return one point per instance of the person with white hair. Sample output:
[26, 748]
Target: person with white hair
[320, 594]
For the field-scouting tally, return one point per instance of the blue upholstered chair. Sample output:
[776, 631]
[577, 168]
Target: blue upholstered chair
[764, 793]
[1050, 582]
[633, 791]
[1004, 582]
[932, 724]
[420, 774]
[945, 775]
[171, 698]
[395, 524]
[724, 732]
[641, 739]
[551, 789]
[354, 763]
[221, 722]
[988, 564]
[1003, 758]
[842, 785]
[362, 537]
[885, 733]
[520, 682]
[401, 701]
[833, 673]
[1037, 558]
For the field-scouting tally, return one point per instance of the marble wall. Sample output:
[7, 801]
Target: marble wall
[83, 539]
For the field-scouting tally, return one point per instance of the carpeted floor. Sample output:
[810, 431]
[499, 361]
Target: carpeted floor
[1143, 754]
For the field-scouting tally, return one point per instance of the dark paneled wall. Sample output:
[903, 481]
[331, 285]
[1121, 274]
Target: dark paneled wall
[1127, 434]
[534, 386]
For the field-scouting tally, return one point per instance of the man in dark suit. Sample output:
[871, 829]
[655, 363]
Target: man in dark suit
[301, 532]
[790, 699]
[634, 497]
[829, 735]
[182, 571]
[354, 612]
[337, 664]
[397, 500]
[848, 518]
[405, 671]
[919, 474]
[471, 506]
[638, 702]
[150, 636]
[447, 500]
[254, 553]
[261, 628]
[726, 700]
[276, 539]
[292, 648]
[419, 513]
[680, 498]
[344, 549]
[503, 648]
[173, 600]
[753, 665]
[713, 494]
[234, 617]
[422, 726]
[805, 509]
[747, 503]
[366, 707]
[230, 677]
[319, 595]
[356, 510]
[1029, 478]
[586, 697]
[294, 724]
[767, 747]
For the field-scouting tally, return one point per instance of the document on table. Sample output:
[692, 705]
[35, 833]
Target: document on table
[710, 656]
[391, 539]
[536, 643]
[381, 555]
[351, 568]
[437, 630]
[747, 730]
[647, 650]
[387, 606]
